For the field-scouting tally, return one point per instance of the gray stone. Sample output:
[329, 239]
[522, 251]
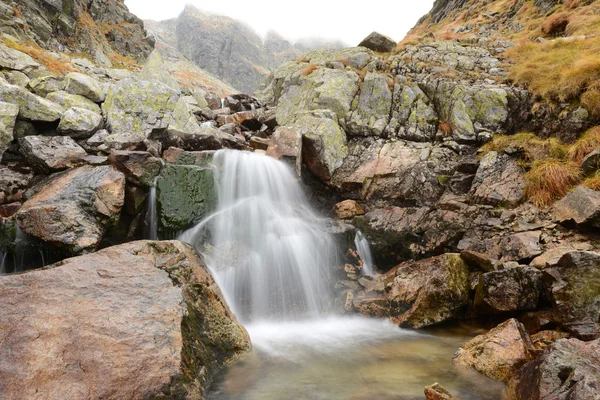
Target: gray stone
[79, 123]
[372, 112]
[16, 60]
[68, 100]
[581, 206]
[515, 289]
[52, 153]
[499, 181]
[155, 69]
[378, 42]
[8, 117]
[46, 84]
[591, 162]
[84, 85]
[31, 107]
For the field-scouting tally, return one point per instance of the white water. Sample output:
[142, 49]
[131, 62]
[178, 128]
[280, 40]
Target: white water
[152, 214]
[268, 249]
[364, 250]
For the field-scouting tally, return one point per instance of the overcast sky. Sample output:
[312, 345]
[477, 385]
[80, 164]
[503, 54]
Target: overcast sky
[349, 21]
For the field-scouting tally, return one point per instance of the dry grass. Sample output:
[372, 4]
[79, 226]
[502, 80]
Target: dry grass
[587, 143]
[309, 69]
[549, 180]
[555, 24]
[529, 146]
[302, 59]
[445, 128]
[40, 55]
[593, 182]
[362, 73]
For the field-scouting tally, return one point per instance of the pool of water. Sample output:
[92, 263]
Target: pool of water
[351, 359]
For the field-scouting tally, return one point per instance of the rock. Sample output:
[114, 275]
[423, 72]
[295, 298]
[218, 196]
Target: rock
[581, 206]
[591, 162]
[567, 370]
[79, 123]
[286, 145]
[46, 84]
[515, 289]
[139, 167]
[259, 143]
[155, 70]
[413, 116]
[52, 153]
[551, 257]
[8, 117]
[378, 42]
[543, 339]
[372, 112]
[437, 392]
[16, 78]
[84, 85]
[576, 292]
[182, 118]
[31, 107]
[499, 353]
[348, 209]
[429, 291]
[478, 260]
[140, 320]
[521, 246]
[73, 209]
[16, 60]
[499, 181]
[12, 181]
[376, 307]
[68, 100]
[185, 192]
[139, 107]
[323, 145]
[202, 139]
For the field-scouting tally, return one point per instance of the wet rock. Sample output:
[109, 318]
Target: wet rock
[139, 107]
[31, 107]
[377, 307]
[139, 167]
[8, 117]
[73, 209]
[79, 123]
[499, 353]
[378, 42]
[12, 181]
[543, 339]
[437, 392]
[426, 292]
[536, 321]
[348, 209]
[286, 144]
[581, 206]
[591, 162]
[515, 289]
[259, 143]
[499, 181]
[52, 153]
[68, 100]
[84, 85]
[83, 330]
[567, 370]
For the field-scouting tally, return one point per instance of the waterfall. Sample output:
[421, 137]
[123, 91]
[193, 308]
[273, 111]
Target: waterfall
[269, 251]
[223, 103]
[151, 225]
[364, 250]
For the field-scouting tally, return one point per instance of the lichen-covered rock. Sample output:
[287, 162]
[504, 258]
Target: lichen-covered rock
[372, 112]
[155, 70]
[286, 145]
[427, 292]
[8, 117]
[378, 42]
[413, 115]
[202, 139]
[79, 123]
[68, 100]
[514, 289]
[437, 392]
[139, 107]
[567, 370]
[139, 167]
[182, 119]
[72, 210]
[84, 85]
[499, 181]
[499, 353]
[31, 107]
[348, 209]
[16, 60]
[140, 320]
[52, 153]
[185, 192]
[581, 206]
[323, 144]
[46, 84]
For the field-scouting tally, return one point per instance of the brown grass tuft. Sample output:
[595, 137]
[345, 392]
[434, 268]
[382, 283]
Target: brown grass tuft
[585, 145]
[529, 146]
[309, 69]
[555, 24]
[302, 59]
[53, 64]
[593, 182]
[445, 128]
[549, 180]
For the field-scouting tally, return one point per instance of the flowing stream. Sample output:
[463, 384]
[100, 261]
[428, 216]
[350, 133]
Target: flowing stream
[272, 256]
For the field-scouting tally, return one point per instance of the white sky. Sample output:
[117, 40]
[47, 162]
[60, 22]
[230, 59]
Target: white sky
[349, 21]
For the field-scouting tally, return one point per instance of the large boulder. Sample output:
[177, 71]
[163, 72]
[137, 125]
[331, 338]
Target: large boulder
[79, 123]
[46, 84]
[31, 107]
[84, 85]
[155, 70]
[286, 145]
[567, 370]
[68, 100]
[499, 181]
[372, 113]
[426, 292]
[139, 320]
[13, 59]
[139, 167]
[413, 115]
[73, 209]
[378, 42]
[499, 353]
[515, 289]
[8, 117]
[139, 107]
[581, 206]
[52, 153]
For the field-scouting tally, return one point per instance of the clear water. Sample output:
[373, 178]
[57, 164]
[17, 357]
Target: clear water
[364, 250]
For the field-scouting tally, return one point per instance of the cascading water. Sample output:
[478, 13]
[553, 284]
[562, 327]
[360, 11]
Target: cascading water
[364, 250]
[269, 251]
[151, 213]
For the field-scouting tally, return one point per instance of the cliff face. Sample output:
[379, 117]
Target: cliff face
[105, 29]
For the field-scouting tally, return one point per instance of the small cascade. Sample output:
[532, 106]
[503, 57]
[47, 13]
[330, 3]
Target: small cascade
[223, 103]
[207, 124]
[151, 213]
[3, 256]
[268, 250]
[364, 250]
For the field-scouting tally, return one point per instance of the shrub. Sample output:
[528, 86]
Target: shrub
[309, 69]
[549, 180]
[585, 145]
